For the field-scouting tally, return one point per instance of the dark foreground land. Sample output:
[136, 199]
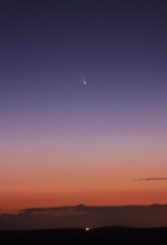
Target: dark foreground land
[113, 235]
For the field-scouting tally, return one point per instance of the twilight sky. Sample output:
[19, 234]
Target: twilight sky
[63, 143]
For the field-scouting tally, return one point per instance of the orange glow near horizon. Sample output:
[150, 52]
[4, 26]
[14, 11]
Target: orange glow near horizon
[12, 203]
[96, 178]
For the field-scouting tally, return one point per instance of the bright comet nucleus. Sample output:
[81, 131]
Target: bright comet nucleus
[84, 82]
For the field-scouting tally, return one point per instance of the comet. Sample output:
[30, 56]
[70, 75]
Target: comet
[84, 82]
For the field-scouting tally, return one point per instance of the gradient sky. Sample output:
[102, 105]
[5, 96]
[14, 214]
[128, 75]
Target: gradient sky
[64, 143]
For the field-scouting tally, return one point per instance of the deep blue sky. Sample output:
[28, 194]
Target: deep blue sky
[118, 46]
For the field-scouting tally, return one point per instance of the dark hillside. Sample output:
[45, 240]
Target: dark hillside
[113, 235]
